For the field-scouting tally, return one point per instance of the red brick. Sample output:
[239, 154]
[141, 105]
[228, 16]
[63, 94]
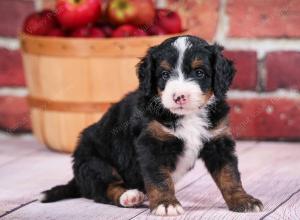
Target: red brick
[283, 70]
[264, 18]
[14, 114]
[246, 66]
[11, 70]
[276, 118]
[12, 15]
[199, 17]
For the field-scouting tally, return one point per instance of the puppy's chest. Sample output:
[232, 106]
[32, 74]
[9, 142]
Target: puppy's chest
[193, 131]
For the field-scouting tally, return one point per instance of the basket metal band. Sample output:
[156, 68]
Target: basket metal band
[65, 106]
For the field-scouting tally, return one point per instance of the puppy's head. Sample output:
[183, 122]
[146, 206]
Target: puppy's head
[185, 72]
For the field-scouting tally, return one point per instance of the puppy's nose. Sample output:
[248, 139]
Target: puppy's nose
[180, 99]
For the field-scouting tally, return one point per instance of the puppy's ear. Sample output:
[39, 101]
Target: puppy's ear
[224, 71]
[145, 72]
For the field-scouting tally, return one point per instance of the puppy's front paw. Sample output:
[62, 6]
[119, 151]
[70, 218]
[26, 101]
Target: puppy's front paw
[168, 210]
[132, 197]
[245, 203]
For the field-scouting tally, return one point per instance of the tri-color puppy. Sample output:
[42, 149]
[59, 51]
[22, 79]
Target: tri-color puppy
[151, 138]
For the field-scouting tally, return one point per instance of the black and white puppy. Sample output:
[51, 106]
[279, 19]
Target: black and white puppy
[152, 137]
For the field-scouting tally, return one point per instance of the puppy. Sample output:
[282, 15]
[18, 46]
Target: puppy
[151, 138]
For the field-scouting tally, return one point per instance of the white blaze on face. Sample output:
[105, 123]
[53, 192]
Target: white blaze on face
[178, 85]
[181, 44]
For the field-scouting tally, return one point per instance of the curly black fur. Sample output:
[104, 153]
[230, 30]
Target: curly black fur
[224, 71]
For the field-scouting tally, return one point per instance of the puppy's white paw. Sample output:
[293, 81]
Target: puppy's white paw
[169, 210]
[132, 197]
[257, 208]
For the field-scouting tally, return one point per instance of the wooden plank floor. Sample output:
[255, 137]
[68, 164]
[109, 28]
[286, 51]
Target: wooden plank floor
[270, 171]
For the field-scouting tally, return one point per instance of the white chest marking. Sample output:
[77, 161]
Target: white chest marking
[193, 131]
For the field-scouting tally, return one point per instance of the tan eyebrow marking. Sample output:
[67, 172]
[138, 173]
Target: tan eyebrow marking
[196, 63]
[166, 65]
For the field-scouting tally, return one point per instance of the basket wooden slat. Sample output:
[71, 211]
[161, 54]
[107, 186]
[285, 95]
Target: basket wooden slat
[77, 47]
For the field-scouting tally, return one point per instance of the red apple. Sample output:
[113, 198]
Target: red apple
[139, 33]
[56, 32]
[50, 16]
[146, 13]
[82, 32]
[168, 20]
[137, 12]
[125, 30]
[128, 30]
[156, 30]
[86, 32]
[40, 23]
[77, 13]
[96, 33]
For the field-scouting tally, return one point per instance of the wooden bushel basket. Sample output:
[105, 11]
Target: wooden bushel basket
[72, 82]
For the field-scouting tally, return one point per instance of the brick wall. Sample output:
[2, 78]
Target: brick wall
[262, 37]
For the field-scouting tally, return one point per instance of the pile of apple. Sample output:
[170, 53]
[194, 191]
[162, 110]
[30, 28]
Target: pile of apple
[86, 18]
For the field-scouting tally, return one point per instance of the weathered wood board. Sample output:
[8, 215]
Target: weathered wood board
[270, 171]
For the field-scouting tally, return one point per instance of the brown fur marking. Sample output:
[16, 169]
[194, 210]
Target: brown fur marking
[161, 195]
[114, 191]
[232, 190]
[207, 96]
[227, 180]
[197, 63]
[166, 65]
[222, 129]
[157, 131]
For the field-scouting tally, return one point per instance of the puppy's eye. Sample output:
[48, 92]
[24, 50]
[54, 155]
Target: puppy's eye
[200, 73]
[165, 74]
